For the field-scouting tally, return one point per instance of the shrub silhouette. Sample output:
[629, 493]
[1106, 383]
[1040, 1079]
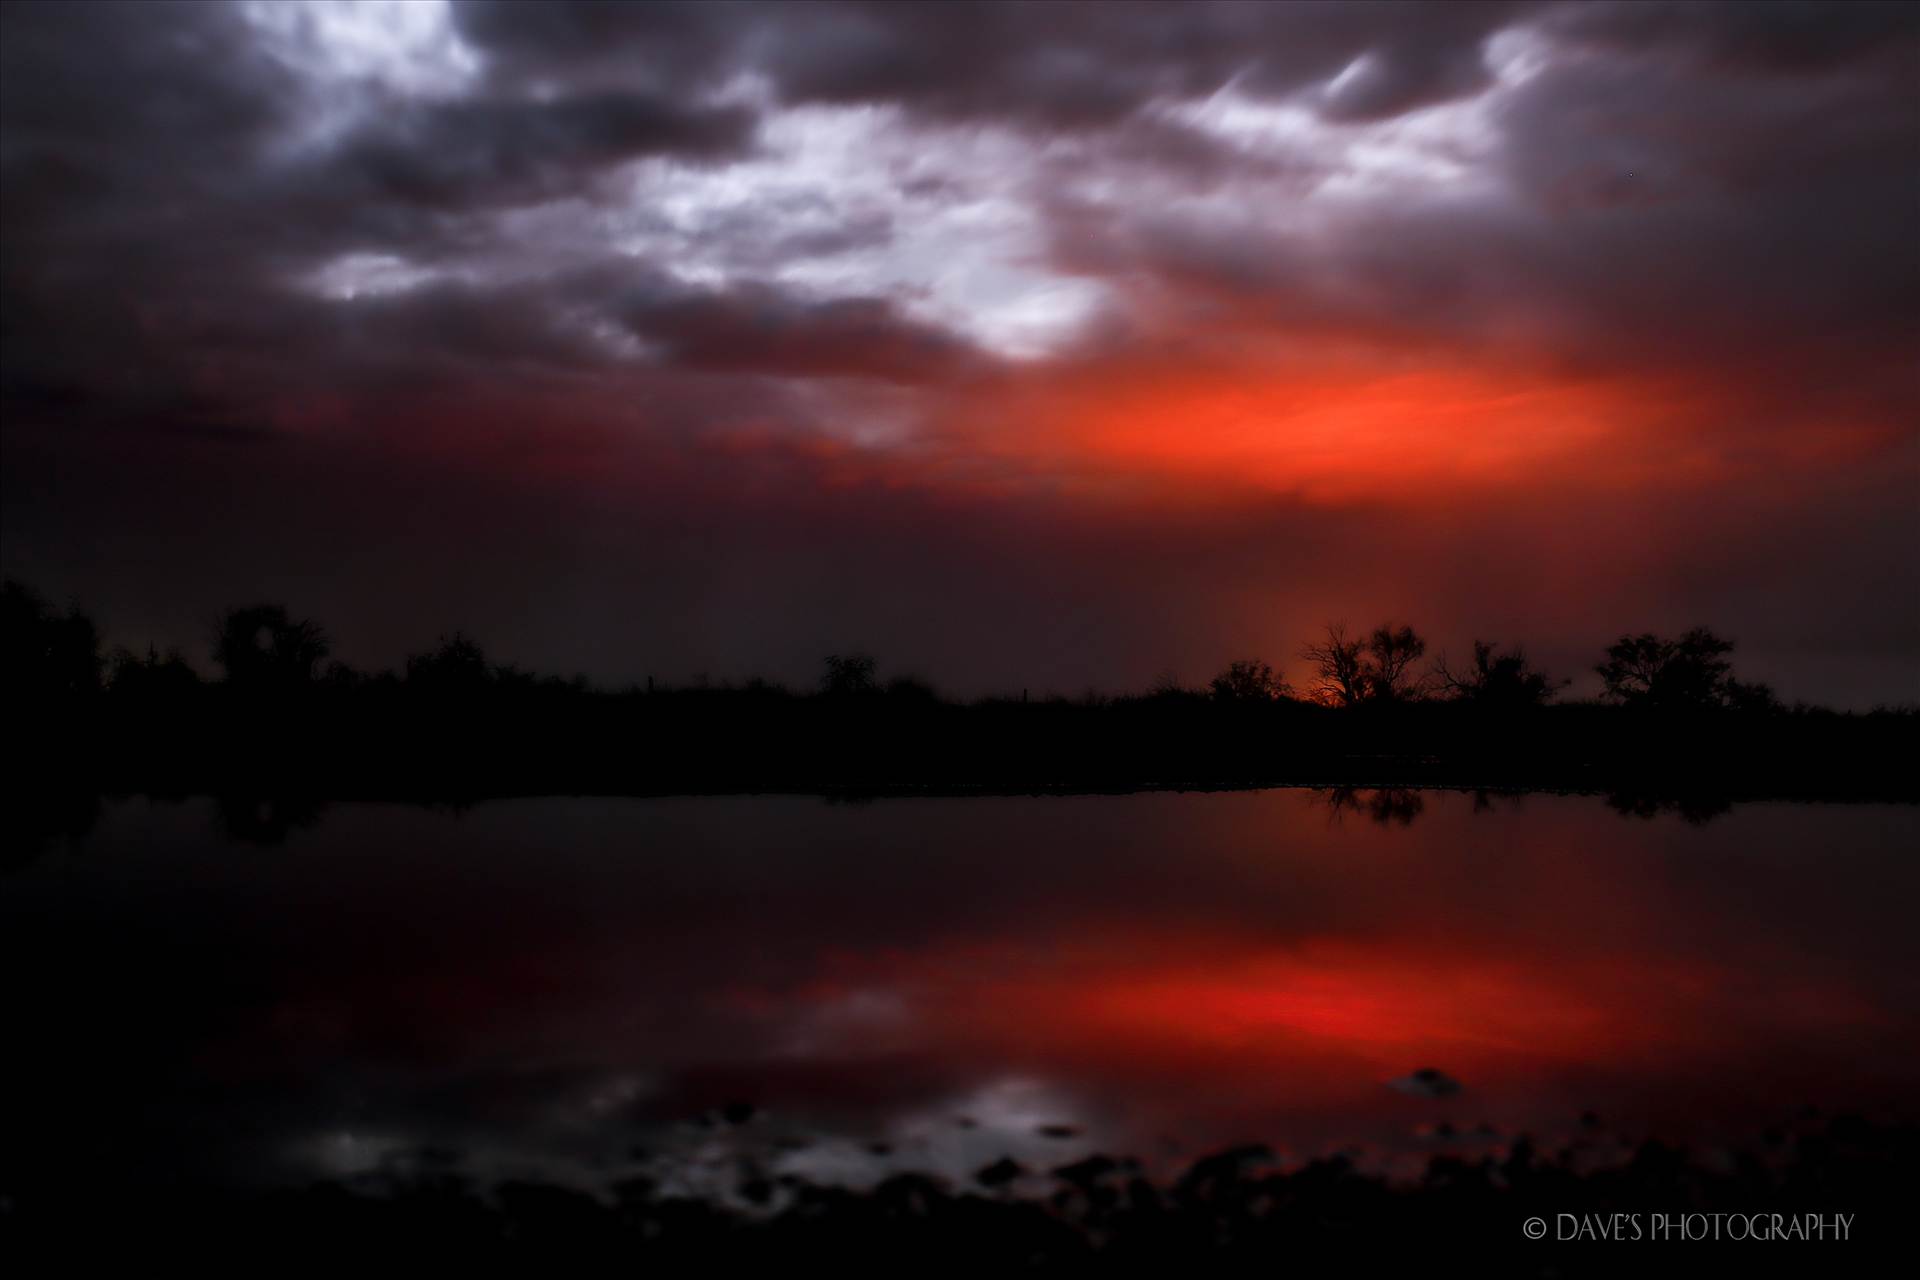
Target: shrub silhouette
[458, 666]
[1248, 680]
[1166, 688]
[1498, 681]
[152, 678]
[1691, 673]
[847, 674]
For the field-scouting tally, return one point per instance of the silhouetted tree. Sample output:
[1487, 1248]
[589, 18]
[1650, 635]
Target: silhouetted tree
[1693, 672]
[1248, 680]
[458, 666]
[261, 648]
[152, 678]
[848, 673]
[1391, 653]
[1498, 681]
[1378, 668]
[1339, 667]
[45, 656]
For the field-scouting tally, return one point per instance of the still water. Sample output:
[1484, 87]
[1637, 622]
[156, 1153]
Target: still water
[582, 989]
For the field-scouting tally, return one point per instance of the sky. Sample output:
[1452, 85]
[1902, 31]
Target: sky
[1032, 345]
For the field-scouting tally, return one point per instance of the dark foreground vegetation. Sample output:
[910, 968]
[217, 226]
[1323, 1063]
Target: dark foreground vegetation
[1233, 1213]
[282, 720]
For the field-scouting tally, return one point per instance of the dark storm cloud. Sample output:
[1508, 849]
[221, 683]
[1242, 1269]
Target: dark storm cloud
[346, 329]
[761, 329]
[1048, 65]
[138, 161]
[1768, 216]
[460, 155]
[157, 225]
[1783, 36]
[116, 87]
[123, 129]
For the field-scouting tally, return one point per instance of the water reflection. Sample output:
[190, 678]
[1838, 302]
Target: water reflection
[1388, 806]
[1696, 809]
[42, 821]
[1400, 806]
[589, 989]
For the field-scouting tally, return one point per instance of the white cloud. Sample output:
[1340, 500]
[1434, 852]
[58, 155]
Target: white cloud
[354, 57]
[369, 275]
[957, 239]
[403, 46]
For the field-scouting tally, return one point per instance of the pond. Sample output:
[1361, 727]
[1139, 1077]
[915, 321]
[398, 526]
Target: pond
[710, 990]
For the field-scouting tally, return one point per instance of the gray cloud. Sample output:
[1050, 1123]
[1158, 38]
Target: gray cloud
[761, 329]
[1053, 65]
[459, 155]
[1784, 37]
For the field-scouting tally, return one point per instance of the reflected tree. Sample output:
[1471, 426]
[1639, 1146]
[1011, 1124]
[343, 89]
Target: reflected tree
[1384, 806]
[1694, 810]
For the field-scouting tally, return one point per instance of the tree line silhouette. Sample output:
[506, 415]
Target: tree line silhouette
[1372, 709]
[264, 651]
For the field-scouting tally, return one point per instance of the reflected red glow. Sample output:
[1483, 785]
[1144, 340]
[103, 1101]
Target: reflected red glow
[1302, 1039]
[1203, 969]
